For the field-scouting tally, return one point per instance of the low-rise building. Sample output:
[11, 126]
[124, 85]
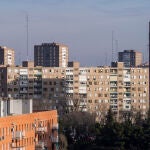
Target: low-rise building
[10, 106]
[35, 131]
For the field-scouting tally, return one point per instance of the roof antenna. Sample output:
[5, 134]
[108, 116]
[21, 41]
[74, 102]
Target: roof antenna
[19, 58]
[106, 58]
[117, 49]
[27, 21]
[112, 46]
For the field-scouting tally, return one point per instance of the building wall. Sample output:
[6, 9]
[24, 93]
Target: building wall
[139, 58]
[131, 58]
[93, 89]
[51, 55]
[29, 131]
[7, 56]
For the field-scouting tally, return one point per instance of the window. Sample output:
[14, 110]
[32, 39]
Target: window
[90, 101]
[52, 89]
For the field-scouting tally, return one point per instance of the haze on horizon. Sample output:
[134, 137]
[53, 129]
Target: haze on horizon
[84, 26]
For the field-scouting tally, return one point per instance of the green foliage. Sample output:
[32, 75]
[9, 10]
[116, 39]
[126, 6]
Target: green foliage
[127, 135]
[110, 118]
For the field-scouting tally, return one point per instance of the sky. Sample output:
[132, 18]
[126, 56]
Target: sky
[85, 26]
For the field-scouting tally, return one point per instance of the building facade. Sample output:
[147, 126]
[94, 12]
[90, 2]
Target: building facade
[35, 131]
[7, 56]
[131, 58]
[93, 89]
[51, 55]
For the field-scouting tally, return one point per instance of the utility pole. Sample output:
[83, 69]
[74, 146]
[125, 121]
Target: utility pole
[27, 25]
[149, 66]
[112, 46]
[117, 49]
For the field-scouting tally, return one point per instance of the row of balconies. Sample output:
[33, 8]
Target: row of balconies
[20, 135]
[40, 145]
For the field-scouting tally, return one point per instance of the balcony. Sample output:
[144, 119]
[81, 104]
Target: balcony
[113, 90]
[113, 102]
[69, 79]
[17, 146]
[113, 71]
[41, 130]
[113, 96]
[38, 75]
[24, 84]
[18, 135]
[82, 104]
[54, 139]
[69, 91]
[127, 91]
[69, 85]
[114, 107]
[113, 84]
[127, 84]
[37, 90]
[55, 127]
[127, 96]
[23, 91]
[37, 96]
[39, 146]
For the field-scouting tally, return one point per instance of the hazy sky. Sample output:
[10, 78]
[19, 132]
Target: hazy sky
[84, 25]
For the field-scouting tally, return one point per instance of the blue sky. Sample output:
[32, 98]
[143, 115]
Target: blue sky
[85, 26]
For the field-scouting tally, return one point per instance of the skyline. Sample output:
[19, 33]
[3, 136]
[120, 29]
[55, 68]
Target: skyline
[85, 27]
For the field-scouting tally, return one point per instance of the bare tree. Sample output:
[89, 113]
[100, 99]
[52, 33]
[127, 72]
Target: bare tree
[76, 102]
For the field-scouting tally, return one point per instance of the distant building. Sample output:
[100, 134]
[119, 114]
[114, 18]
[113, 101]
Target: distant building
[131, 58]
[28, 64]
[51, 55]
[34, 131]
[7, 56]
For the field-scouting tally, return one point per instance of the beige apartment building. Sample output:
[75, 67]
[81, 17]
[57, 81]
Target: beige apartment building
[32, 131]
[7, 56]
[93, 89]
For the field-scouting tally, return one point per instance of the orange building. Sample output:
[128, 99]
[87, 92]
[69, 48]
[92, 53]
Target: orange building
[35, 131]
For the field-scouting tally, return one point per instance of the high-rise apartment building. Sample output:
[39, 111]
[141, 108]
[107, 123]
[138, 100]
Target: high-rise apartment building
[51, 55]
[131, 58]
[93, 89]
[7, 56]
